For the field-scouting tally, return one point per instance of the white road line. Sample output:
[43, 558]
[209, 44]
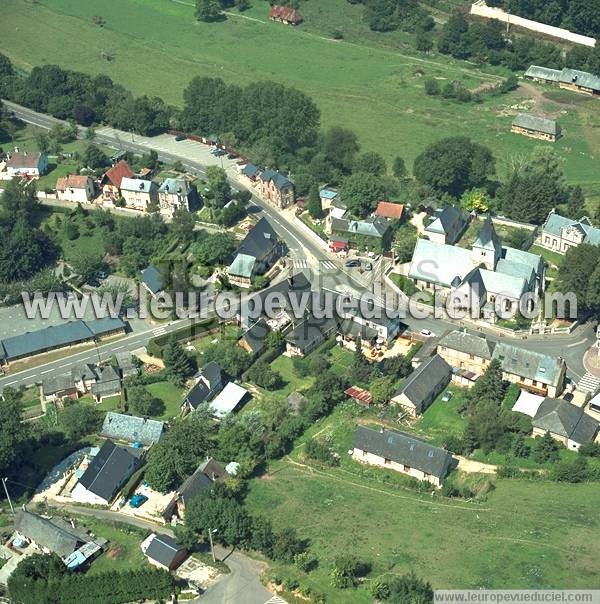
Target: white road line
[577, 343]
[47, 371]
[65, 365]
[13, 382]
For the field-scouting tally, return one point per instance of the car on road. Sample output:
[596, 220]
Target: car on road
[351, 263]
[219, 152]
[368, 266]
[427, 333]
[447, 396]
[180, 137]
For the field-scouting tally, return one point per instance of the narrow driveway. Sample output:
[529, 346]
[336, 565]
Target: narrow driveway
[242, 584]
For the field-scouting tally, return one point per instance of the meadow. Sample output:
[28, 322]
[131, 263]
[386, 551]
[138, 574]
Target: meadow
[525, 534]
[370, 83]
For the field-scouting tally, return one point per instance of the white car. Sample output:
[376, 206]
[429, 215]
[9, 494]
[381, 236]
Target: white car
[427, 333]
[447, 396]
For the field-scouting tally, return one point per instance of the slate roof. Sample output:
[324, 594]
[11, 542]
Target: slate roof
[528, 363]
[310, 332]
[533, 261]
[55, 336]
[496, 282]
[447, 220]
[130, 428]
[374, 226]
[175, 186]
[260, 240]
[201, 480]
[565, 419]
[254, 337]
[536, 124]
[84, 372]
[424, 381]
[389, 210]
[72, 181]
[45, 533]
[228, 399]
[580, 78]
[138, 184]
[487, 238]
[280, 181]
[118, 172]
[152, 279]
[543, 73]
[99, 327]
[109, 470]
[468, 343]
[438, 263]
[250, 170]
[58, 383]
[404, 449]
[211, 372]
[164, 550]
[555, 223]
[200, 391]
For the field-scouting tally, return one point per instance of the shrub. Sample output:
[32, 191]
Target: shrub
[432, 87]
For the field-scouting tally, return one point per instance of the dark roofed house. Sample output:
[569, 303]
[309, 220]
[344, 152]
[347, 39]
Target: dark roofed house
[535, 127]
[375, 228]
[163, 551]
[152, 280]
[209, 381]
[59, 387]
[565, 422]
[423, 386]
[107, 326]
[48, 536]
[308, 334]
[285, 14]
[253, 339]
[257, 253]
[207, 473]
[569, 79]
[250, 171]
[106, 473]
[447, 225]
[403, 453]
[277, 188]
[108, 384]
[132, 429]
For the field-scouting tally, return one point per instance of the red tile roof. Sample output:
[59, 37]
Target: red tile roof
[118, 172]
[285, 13]
[387, 209]
[72, 181]
[360, 395]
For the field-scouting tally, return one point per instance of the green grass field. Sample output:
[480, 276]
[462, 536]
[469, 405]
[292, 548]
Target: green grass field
[368, 82]
[170, 395]
[525, 535]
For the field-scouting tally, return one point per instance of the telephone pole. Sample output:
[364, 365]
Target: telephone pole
[10, 502]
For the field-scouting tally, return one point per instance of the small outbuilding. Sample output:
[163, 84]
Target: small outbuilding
[163, 551]
[535, 127]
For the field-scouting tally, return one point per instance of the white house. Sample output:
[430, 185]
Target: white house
[76, 188]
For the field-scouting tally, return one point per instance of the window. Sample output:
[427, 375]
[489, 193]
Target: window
[407, 468]
[364, 453]
[387, 462]
[471, 357]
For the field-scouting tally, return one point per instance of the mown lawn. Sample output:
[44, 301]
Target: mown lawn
[372, 83]
[525, 535]
[170, 395]
[442, 419]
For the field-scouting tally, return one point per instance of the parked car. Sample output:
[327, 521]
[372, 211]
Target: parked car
[180, 137]
[427, 333]
[137, 500]
[219, 153]
[351, 263]
[447, 396]
[368, 266]
[231, 156]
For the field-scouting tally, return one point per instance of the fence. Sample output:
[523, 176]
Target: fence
[480, 9]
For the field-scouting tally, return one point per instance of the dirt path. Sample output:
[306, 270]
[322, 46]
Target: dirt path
[477, 467]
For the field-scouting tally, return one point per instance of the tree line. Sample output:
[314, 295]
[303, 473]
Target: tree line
[44, 579]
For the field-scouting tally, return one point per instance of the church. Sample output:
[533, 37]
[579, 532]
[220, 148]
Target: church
[475, 278]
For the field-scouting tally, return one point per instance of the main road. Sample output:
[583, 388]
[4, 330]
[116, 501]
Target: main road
[306, 252]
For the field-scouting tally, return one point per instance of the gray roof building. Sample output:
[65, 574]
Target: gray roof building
[449, 221]
[109, 470]
[426, 381]
[564, 419]
[404, 449]
[374, 226]
[131, 429]
[209, 380]
[109, 382]
[576, 77]
[536, 72]
[56, 384]
[137, 184]
[165, 551]
[46, 534]
[529, 364]
[280, 181]
[468, 343]
[201, 480]
[536, 124]
[555, 223]
[152, 279]
[254, 337]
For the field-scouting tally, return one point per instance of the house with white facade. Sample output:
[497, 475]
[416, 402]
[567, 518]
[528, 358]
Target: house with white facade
[76, 188]
[139, 194]
[559, 233]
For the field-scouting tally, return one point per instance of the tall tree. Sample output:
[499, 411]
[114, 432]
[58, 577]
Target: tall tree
[341, 147]
[371, 163]
[361, 192]
[178, 364]
[183, 225]
[315, 208]
[12, 432]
